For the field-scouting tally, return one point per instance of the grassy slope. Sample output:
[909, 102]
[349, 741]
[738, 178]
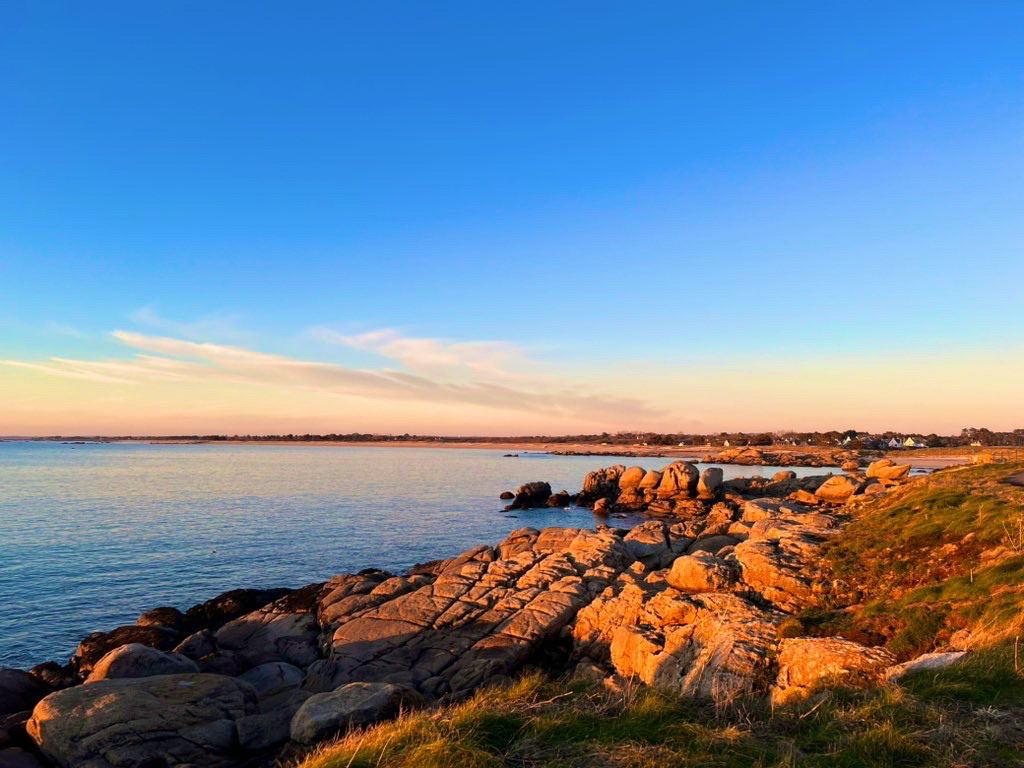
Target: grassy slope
[942, 554]
[908, 560]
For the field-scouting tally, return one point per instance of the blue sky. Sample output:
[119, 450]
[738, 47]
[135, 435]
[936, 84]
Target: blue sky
[621, 199]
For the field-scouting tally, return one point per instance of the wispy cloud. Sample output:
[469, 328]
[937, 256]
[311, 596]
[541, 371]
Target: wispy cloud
[215, 325]
[484, 358]
[168, 359]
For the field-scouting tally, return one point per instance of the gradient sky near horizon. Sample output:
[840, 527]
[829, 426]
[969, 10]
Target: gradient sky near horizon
[479, 218]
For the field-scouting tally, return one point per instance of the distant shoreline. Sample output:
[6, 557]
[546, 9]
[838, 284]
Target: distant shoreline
[931, 458]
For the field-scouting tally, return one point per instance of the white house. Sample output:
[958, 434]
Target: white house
[894, 443]
[912, 443]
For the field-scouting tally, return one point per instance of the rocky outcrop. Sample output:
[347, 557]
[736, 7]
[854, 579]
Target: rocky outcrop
[601, 484]
[163, 720]
[691, 600]
[751, 456]
[484, 614]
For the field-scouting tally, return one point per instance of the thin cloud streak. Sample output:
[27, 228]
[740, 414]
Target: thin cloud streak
[482, 358]
[160, 360]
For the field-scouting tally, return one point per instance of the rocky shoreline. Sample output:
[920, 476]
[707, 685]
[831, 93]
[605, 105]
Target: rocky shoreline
[694, 600]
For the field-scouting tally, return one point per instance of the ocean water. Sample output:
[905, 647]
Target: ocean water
[93, 535]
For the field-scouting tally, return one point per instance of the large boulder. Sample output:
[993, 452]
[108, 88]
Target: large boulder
[631, 478]
[887, 469]
[837, 489]
[711, 646]
[149, 721]
[325, 715]
[19, 691]
[678, 479]
[701, 572]
[602, 483]
[136, 660]
[651, 479]
[804, 662]
[649, 543]
[709, 483]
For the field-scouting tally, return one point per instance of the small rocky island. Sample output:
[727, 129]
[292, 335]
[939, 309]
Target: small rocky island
[694, 601]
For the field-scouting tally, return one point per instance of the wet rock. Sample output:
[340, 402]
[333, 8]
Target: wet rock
[165, 616]
[325, 715]
[135, 660]
[601, 507]
[506, 496]
[163, 720]
[56, 675]
[531, 495]
[560, 499]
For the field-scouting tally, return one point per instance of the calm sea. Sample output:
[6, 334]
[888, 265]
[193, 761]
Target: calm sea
[92, 535]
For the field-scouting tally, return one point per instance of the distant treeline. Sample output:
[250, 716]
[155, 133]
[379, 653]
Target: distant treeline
[850, 437]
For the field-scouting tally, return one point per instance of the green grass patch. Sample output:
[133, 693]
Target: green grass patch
[549, 724]
[912, 562]
[989, 677]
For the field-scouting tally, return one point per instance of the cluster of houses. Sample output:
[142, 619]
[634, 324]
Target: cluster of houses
[891, 444]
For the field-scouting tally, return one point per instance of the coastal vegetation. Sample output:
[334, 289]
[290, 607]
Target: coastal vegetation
[939, 556]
